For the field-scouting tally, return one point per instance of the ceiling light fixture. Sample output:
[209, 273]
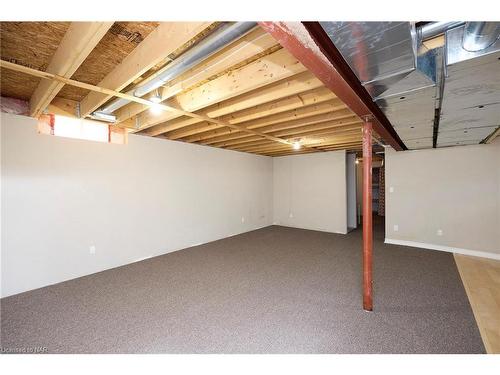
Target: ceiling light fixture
[296, 145]
[156, 97]
[156, 109]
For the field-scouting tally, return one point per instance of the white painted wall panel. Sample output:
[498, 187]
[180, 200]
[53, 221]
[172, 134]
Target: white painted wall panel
[310, 191]
[455, 190]
[150, 197]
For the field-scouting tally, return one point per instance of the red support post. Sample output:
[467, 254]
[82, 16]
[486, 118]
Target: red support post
[367, 217]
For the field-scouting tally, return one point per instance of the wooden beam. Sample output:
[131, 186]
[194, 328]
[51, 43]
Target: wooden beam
[176, 111]
[309, 43]
[239, 136]
[492, 136]
[247, 47]
[330, 128]
[332, 115]
[155, 48]
[271, 68]
[76, 45]
[261, 145]
[280, 105]
[311, 120]
[63, 107]
[321, 128]
[298, 113]
[352, 147]
[293, 85]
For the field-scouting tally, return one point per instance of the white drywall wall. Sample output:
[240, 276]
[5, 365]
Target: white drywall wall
[310, 191]
[455, 190]
[352, 221]
[60, 196]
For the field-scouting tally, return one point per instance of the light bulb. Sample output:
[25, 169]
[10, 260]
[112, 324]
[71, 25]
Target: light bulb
[155, 109]
[296, 145]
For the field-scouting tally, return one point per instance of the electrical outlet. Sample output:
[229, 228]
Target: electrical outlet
[92, 249]
[242, 219]
[396, 227]
[391, 189]
[439, 232]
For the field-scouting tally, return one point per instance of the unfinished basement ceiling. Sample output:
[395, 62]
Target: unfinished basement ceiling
[250, 83]
[443, 96]
[471, 98]
[263, 99]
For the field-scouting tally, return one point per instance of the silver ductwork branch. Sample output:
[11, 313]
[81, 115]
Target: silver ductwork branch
[480, 35]
[434, 29]
[203, 50]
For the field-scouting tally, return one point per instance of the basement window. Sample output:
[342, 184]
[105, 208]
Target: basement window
[68, 127]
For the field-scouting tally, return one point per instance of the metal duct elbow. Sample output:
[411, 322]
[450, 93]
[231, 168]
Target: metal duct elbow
[480, 35]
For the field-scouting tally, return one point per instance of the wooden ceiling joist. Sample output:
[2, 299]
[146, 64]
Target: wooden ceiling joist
[341, 139]
[271, 68]
[347, 146]
[252, 96]
[304, 111]
[155, 48]
[279, 105]
[352, 123]
[249, 47]
[80, 39]
[177, 111]
[321, 128]
[329, 116]
[296, 84]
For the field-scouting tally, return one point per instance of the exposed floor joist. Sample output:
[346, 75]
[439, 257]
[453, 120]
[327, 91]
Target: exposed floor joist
[164, 40]
[250, 46]
[269, 69]
[296, 100]
[176, 111]
[80, 39]
[302, 112]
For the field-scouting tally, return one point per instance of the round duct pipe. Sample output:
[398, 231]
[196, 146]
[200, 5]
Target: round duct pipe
[213, 43]
[480, 35]
[433, 29]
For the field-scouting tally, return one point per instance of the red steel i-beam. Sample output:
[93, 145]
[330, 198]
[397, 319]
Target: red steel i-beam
[367, 217]
[311, 46]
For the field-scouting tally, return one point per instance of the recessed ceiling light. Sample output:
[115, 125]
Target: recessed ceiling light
[480, 106]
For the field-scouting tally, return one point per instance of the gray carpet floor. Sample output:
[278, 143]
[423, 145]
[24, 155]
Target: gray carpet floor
[273, 290]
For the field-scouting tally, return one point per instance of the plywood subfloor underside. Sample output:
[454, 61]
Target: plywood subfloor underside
[481, 278]
[273, 290]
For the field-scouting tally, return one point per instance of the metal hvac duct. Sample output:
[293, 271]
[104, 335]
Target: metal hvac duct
[224, 35]
[433, 29]
[480, 35]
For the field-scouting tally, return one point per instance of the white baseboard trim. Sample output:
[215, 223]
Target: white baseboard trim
[456, 250]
